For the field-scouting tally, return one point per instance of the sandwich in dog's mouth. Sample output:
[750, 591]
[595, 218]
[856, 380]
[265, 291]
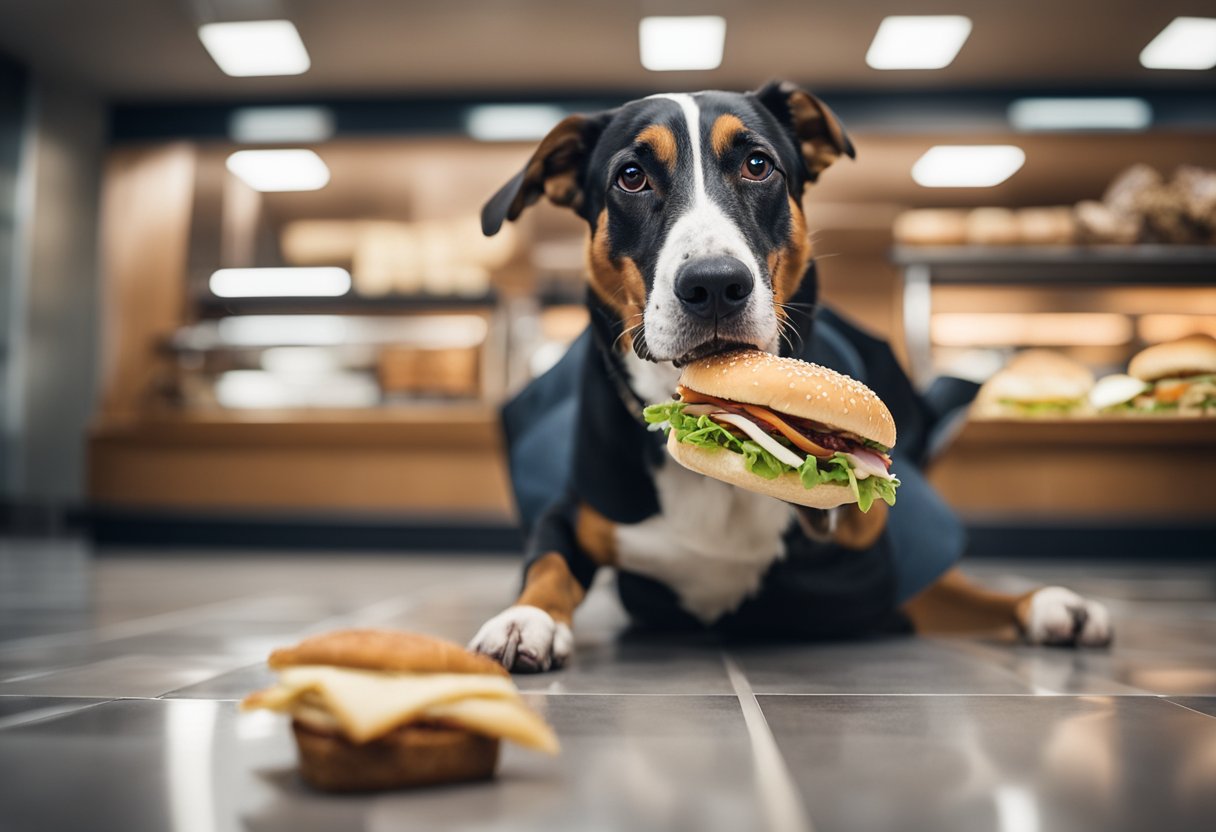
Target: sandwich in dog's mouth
[775, 443]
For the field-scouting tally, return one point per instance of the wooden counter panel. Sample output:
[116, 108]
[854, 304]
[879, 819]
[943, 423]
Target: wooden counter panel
[454, 466]
[1127, 469]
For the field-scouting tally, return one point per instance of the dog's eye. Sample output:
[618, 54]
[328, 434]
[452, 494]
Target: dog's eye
[632, 179]
[757, 167]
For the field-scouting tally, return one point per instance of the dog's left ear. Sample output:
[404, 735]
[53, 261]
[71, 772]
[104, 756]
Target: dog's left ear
[556, 170]
[818, 133]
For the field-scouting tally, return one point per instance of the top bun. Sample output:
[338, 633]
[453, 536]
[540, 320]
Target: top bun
[385, 650]
[1038, 376]
[795, 387]
[1190, 356]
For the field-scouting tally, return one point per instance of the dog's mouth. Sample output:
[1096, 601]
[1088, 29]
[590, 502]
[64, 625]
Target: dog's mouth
[714, 346]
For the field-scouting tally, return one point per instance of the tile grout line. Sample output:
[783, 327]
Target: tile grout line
[33, 717]
[780, 798]
[1166, 697]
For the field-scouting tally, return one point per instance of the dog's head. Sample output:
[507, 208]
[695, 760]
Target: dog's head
[694, 202]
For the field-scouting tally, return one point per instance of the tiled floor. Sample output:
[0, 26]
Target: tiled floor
[119, 678]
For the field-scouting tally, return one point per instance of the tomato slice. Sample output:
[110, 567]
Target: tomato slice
[1171, 392]
[796, 439]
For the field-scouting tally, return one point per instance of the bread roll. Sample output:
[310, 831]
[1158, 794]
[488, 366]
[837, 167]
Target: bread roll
[992, 227]
[931, 227]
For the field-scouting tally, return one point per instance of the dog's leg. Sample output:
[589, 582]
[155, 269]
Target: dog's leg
[534, 633]
[1050, 615]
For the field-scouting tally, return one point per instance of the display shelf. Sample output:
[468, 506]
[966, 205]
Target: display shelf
[1156, 431]
[209, 306]
[1034, 266]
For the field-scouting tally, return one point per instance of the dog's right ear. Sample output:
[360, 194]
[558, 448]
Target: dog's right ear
[556, 170]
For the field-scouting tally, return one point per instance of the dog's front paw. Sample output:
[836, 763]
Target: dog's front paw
[525, 639]
[1060, 617]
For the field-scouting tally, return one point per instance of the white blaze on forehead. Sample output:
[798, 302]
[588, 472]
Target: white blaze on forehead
[703, 230]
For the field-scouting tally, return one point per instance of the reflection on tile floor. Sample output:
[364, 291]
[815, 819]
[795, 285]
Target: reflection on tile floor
[118, 681]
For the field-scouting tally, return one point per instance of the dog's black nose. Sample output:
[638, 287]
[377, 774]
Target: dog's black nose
[713, 287]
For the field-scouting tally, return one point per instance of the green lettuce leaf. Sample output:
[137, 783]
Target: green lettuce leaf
[1041, 408]
[704, 432]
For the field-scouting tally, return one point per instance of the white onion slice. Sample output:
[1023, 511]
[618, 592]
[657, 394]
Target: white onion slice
[867, 464]
[1115, 390]
[761, 438]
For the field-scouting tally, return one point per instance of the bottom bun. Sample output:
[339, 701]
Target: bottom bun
[728, 466]
[408, 757]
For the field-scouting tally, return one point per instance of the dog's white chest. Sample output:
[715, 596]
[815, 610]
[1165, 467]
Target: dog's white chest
[711, 542]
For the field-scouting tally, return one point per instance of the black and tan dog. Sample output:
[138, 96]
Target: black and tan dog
[697, 243]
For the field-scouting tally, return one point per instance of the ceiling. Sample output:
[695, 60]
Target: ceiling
[148, 49]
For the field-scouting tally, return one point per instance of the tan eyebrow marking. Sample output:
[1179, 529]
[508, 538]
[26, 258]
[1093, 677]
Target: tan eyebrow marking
[662, 143]
[722, 134]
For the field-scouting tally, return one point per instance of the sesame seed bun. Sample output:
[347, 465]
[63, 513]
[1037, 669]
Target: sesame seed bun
[796, 388]
[1038, 377]
[385, 650]
[728, 466]
[1191, 356]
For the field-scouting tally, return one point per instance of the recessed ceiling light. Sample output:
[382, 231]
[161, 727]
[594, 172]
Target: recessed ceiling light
[320, 282]
[279, 170]
[967, 166]
[1031, 114]
[512, 122]
[255, 47]
[918, 41]
[1186, 43]
[254, 125]
[692, 42]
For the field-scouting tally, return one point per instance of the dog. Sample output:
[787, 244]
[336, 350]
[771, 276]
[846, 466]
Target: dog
[697, 243]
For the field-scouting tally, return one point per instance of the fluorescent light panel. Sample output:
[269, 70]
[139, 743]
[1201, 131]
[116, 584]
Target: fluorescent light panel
[967, 166]
[675, 43]
[918, 41]
[279, 170]
[1186, 43]
[1155, 328]
[247, 331]
[260, 125]
[1056, 329]
[262, 390]
[320, 282]
[512, 122]
[1042, 114]
[255, 47]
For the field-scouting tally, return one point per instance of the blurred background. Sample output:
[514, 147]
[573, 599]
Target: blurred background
[244, 296]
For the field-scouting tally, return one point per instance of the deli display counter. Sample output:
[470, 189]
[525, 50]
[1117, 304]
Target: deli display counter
[377, 390]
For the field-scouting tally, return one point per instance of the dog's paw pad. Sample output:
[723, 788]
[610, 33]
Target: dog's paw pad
[525, 639]
[1056, 616]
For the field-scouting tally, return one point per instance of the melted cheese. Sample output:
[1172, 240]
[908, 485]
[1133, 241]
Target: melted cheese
[366, 704]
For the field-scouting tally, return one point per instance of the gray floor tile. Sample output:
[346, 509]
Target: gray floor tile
[18, 710]
[1171, 668]
[896, 665]
[235, 684]
[912, 763]
[634, 762]
[658, 666]
[123, 676]
[1202, 704]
